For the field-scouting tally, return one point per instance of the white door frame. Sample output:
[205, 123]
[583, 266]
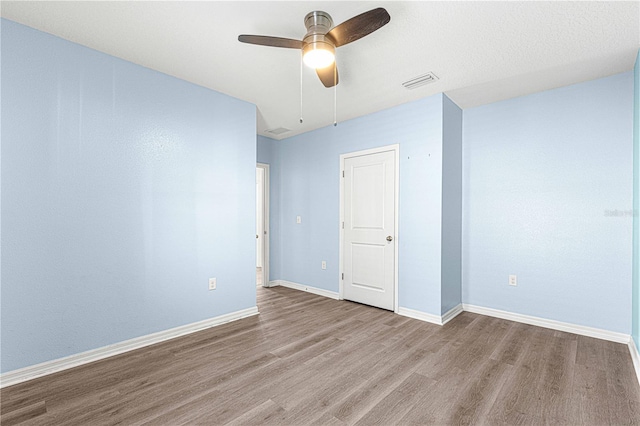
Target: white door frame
[343, 157]
[265, 222]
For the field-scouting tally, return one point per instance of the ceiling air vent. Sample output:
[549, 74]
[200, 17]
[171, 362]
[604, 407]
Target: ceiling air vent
[278, 131]
[420, 81]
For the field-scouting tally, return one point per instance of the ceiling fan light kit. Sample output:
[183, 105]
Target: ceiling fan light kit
[318, 54]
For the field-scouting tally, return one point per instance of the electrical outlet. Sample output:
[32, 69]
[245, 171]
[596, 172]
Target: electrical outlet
[324, 264]
[212, 283]
[513, 280]
[298, 219]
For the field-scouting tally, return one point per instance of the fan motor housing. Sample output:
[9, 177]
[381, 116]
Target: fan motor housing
[318, 22]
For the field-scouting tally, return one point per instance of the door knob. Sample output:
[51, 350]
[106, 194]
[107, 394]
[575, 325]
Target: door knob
[389, 238]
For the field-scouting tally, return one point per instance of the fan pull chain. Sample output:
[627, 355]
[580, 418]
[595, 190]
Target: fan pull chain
[335, 93]
[301, 87]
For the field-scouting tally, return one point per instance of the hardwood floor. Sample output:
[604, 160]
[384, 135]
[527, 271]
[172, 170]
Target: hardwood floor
[311, 360]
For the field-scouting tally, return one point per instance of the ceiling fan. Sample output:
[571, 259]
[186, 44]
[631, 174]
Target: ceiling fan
[319, 44]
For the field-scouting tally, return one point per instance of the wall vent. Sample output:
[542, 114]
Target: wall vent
[278, 131]
[420, 81]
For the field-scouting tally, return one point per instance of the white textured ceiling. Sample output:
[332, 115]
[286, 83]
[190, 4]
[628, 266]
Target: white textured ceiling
[481, 51]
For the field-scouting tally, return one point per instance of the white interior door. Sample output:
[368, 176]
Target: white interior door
[259, 217]
[262, 225]
[369, 229]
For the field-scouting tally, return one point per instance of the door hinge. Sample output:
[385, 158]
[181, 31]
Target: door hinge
[343, 275]
[342, 225]
[343, 173]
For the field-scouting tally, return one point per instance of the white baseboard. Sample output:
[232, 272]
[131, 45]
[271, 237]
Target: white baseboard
[419, 315]
[431, 318]
[302, 287]
[552, 324]
[452, 313]
[455, 311]
[22, 375]
[635, 356]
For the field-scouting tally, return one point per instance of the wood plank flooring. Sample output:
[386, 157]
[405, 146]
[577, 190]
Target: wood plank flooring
[309, 360]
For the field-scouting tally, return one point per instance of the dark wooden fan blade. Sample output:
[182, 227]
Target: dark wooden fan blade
[359, 26]
[328, 75]
[270, 41]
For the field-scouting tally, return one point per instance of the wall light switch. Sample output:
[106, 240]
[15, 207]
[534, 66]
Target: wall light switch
[324, 264]
[212, 283]
[513, 280]
[298, 219]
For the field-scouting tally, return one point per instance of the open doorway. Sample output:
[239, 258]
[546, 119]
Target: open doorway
[262, 225]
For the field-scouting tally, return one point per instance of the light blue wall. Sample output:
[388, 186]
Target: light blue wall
[451, 205]
[544, 175]
[123, 191]
[309, 187]
[264, 148]
[268, 153]
[636, 205]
